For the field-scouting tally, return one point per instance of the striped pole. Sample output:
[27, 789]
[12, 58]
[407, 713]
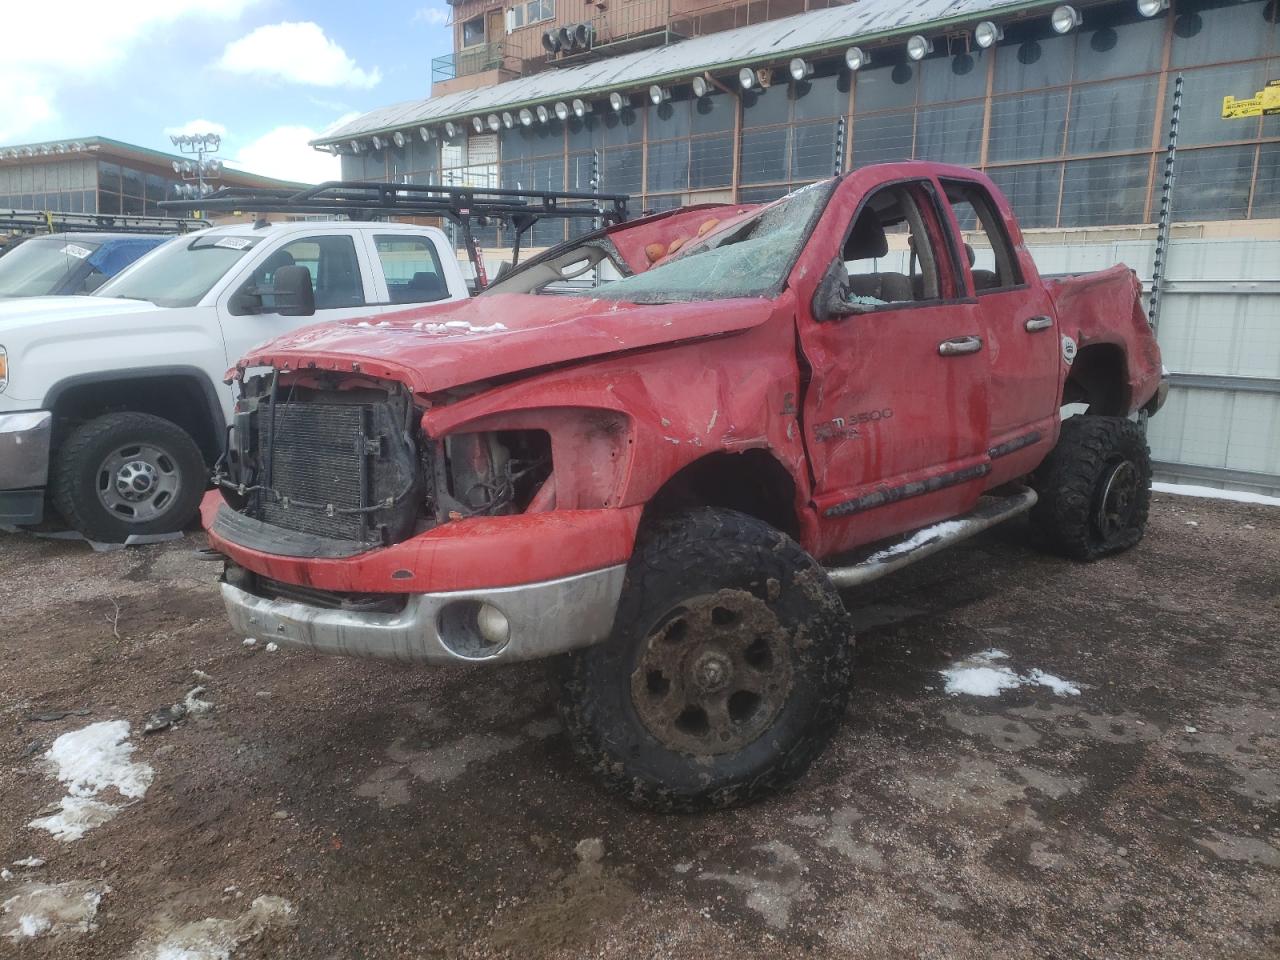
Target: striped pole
[1166, 208]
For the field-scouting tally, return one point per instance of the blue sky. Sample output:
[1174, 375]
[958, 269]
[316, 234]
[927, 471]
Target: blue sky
[270, 73]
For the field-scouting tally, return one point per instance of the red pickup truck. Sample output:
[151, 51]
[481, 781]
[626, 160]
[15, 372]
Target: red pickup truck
[669, 476]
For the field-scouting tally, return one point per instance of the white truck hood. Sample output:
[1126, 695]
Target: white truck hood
[36, 311]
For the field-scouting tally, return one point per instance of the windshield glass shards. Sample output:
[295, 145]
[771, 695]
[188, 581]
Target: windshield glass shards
[749, 259]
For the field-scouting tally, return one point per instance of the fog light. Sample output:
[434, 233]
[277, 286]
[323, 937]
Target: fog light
[493, 625]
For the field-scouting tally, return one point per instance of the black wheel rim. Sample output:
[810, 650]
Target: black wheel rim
[713, 674]
[1117, 500]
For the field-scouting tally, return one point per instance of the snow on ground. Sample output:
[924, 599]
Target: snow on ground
[89, 761]
[76, 817]
[213, 939]
[981, 676]
[51, 909]
[1237, 496]
[918, 539]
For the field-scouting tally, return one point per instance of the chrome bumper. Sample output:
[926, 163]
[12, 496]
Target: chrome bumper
[24, 449]
[544, 619]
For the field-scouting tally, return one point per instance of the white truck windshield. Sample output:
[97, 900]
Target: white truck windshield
[179, 273]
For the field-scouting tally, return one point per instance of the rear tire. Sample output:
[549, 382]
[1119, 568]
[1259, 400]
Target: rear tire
[128, 473]
[1094, 487]
[727, 671]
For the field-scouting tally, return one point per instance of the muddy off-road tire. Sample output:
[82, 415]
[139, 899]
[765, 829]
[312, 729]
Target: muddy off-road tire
[128, 473]
[727, 671]
[1095, 488]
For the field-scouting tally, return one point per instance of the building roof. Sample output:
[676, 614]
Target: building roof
[758, 44]
[106, 147]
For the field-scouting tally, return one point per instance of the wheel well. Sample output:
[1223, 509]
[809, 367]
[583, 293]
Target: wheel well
[1099, 378]
[753, 482]
[179, 398]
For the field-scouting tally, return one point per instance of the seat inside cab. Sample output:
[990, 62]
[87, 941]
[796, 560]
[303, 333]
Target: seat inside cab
[889, 210]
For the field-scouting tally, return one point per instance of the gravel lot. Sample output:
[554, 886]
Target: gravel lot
[420, 813]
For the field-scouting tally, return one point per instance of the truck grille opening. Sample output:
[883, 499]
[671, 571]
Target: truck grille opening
[329, 463]
[328, 599]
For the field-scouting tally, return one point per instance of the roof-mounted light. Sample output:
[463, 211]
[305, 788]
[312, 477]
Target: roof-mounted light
[398, 138]
[562, 110]
[1149, 8]
[508, 120]
[543, 113]
[580, 107]
[919, 47]
[855, 58]
[659, 94]
[617, 101]
[800, 69]
[1065, 19]
[526, 117]
[986, 34]
[747, 77]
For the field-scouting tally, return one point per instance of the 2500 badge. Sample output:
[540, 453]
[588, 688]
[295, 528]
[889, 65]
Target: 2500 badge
[847, 428]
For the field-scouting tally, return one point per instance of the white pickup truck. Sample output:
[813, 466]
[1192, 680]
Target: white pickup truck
[112, 406]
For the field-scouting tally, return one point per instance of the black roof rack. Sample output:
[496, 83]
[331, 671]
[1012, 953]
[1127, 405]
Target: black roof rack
[52, 221]
[375, 200]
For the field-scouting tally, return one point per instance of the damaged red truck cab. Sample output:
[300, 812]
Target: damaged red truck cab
[669, 476]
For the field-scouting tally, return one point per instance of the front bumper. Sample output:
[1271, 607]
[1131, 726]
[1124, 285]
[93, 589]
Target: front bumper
[24, 465]
[544, 618]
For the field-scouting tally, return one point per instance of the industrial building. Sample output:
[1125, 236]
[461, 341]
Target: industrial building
[99, 175]
[1066, 107]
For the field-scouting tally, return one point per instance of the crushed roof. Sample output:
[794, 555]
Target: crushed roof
[862, 20]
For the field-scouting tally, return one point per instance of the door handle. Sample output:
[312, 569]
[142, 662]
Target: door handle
[1039, 323]
[958, 346]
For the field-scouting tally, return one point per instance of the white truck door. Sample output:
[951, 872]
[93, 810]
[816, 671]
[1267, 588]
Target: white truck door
[340, 274]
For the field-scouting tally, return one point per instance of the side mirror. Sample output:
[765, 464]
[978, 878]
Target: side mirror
[831, 299]
[292, 294]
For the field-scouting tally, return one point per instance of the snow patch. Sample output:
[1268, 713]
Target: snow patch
[52, 909]
[456, 326]
[1212, 493]
[213, 938]
[89, 761]
[76, 817]
[981, 676]
[918, 539]
[97, 757]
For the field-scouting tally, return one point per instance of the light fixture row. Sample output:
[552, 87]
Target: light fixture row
[986, 34]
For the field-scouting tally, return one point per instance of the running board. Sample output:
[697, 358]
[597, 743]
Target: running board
[923, 543]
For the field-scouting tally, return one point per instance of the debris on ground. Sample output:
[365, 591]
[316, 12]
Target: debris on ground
[30, 863]
[164, 718]
[52, 716]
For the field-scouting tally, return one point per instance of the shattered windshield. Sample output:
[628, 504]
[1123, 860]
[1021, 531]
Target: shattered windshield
[749, 259]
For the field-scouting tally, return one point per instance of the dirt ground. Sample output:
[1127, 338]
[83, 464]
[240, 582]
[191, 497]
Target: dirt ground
[420, 813]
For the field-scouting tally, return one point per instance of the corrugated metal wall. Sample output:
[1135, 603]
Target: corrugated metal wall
[1219, 332]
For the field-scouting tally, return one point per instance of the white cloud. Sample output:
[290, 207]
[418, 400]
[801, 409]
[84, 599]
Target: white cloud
[298, 53]
[286, 153]
[92, 39]
[432, 15]
[192, 127]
